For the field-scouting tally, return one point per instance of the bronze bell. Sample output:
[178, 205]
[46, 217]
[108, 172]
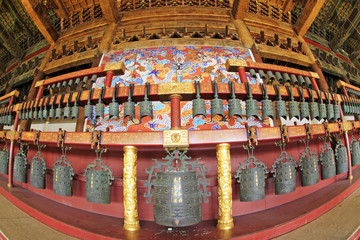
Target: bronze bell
[344, 105]
[270, 75]
[100, 106]
[327, 160]
[341, 158]
[252, 72]
[322, 107]
[45, 111]
[30, 113]
[267, 105]
[85, 80]
[58, 111]
[251, 175]
[52, 112]
[10, 118]
[53, 87]
[64, 85]
[37, 170]
[217, 107]
[146, 105]
[199, 107]
[114, 105]
[63, 175]
[294, 111]
[20, 165]
[308, 83]
[280, 105]
[329, 108]
[75, 108]
[93, 78]
[279, 77]
[129, 106]
[284, 170]
[304, 106]
[286, 78]
[309, 166]
[355, 152]
[294, 80]
[35, 113]
[40, 115]
[262, 75]
[67, 109]
[4, 160]
[251, 104]
[20, 115]
[98, 177]
[314, 106]
[336, 108]
[70, 84]
[58, 86]
[88, 109]
[234, 103]
[177, 190]
[77, 81]
[301, 81]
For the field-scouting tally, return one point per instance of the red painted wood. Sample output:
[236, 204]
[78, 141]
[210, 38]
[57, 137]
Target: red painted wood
[40, 92]
[242, 75]
[314, 83]
[11, 101]
[175, 114]
[108, 79]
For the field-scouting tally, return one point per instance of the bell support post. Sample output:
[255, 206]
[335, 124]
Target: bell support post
[225, 220]
[131, 221]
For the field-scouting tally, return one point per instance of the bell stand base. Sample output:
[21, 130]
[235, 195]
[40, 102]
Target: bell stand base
[66, 219]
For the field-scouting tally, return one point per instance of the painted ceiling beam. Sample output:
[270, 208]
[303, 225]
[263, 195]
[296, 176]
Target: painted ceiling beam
[7, 40]
[307, 16]
[109, 10]
[38, 14]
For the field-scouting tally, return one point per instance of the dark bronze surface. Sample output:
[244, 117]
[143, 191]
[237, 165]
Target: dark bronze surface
[341, 158]
[4, 160]
[217, 107]
[309, 167]
[355, 152]
[327, 161]
[37, 170]
[63, 175]
[20, 165]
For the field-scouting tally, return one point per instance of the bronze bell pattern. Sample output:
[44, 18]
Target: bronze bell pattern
[251, 175]
[267, 104]
[322, 106]
[146, 105]
[309, 166]
[336, 108]
[294, 111]
[88, 109]
[114, 105]
[251, 104]
[63, 175]
[355, 151]
[341, 158]
[98, 178]
[234, 103]
[129, 106]
[20, 164]
[37, 170]
[280, 105]
[304, 106]
[284, 170]
[329, 108]
[327, 161]
[4, 159]
[314, 106]
[217, 107]
[100, 106]
[67, 109]
[178, 189]
[198, 103]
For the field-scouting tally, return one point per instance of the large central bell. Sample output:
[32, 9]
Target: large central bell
[20, 165]
[63, 175]
[4, 160]
[284, 172]
[355, 152]
[309, 166]
[251, 176]
[98, 180]
[37, 170]
[177, 190]
[327, 160]
[341, 158]
[267, 105]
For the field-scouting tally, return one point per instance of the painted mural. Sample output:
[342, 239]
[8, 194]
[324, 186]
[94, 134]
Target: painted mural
[173, 64]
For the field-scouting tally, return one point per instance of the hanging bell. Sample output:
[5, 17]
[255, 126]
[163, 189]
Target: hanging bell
[26, 115]
[64, 85]
[77, 81]
[58, 86]
[341, 157]
[262, 75]
[10, 119]
[322, 107]
[177, 190]
[344, 105]
[98, 178]
[20, 115]
[63, 175]
[129, 106]
[294, 111]
[251, 175]
[251, 104]
[85, 80]
[37, 170]
[304, 106]
[355, 152]
[314, 106]
[146, 105]
[45, 111]
[199, 107]
[114, 105]
[327, 160]
[67, 111]
[252, 72]
[20, 165]
[217, 107]
[336, 109]
[301, 81]
[280, 105]
[294, 80]
[271, 76]
[267, 105]
[308, 83]
[234, 103]
[35, 114]
[309, 166]
[4, 160]
[88, 109]
[75, 108]
[100, 106]
[284, 170]
[40, 115]
[286, 78]
[52, 112]
[330, 109]
[58, 112]
[71, 83]
[30, 116]
[279, 77]
[93, 78]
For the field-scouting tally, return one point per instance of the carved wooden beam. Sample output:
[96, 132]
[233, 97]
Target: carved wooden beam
[38, 14]
[110, 11]
[308, 15]
[60, 10]
[239, 8]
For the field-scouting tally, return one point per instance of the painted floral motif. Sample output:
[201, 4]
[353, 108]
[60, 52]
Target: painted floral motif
[174, 64]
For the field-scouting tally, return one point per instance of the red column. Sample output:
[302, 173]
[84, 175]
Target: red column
[40, 92]
[345, 92]
[347, 144]
[242, 74]
[108, 79]
[175, 111]
[313, 81]
[11, 153]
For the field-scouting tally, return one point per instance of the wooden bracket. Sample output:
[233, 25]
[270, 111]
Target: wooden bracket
[252, 136]
[284, 133]
[95, 141]
[61, 138]
[309, 133]
[327, 130]
[36, 139]
[341, 127]
[19, 136]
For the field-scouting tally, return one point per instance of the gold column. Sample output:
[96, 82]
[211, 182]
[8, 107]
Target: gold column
[225, 220]
[131, 221]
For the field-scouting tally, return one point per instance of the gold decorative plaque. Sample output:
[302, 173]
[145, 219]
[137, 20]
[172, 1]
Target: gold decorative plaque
[176, 88]
[176, 138]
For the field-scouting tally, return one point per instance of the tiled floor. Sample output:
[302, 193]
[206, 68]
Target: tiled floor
[337, 224]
